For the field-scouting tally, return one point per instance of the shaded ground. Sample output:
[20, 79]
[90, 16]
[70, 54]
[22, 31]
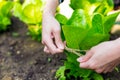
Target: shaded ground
[22, 58]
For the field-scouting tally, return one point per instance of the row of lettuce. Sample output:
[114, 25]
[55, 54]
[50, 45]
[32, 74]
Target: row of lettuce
[28, 11]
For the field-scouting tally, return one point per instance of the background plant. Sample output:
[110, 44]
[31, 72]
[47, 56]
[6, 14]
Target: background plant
[30, 12]
[5, 14]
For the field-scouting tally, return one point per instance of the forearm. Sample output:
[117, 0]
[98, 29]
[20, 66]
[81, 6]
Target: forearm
[50, 8]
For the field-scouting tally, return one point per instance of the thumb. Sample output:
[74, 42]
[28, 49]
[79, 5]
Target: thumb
[85, 57]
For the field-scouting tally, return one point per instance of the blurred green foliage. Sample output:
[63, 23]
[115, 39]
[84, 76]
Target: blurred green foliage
[5, 14]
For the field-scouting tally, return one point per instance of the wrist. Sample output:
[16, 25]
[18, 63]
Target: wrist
[48, 13]
[50, 7]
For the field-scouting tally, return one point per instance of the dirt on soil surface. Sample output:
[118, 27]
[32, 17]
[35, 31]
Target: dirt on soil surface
[22, 58]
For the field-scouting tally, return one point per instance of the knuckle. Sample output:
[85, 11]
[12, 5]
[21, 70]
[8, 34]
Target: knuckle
[44, 37]
[46, 52]
[105, 72]
[92, 49]
[98, 71]
[56, 51]
[60, 51]
[42, 42]
[56, 30]
[53, 52]
[92, 65]
[84, 66]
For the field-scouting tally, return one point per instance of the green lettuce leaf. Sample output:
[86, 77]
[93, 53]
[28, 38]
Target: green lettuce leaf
[109, 21]
[60, 73]
[73, 40]
[78, 19]
[96, 76]
[91, 6]
[61, 18]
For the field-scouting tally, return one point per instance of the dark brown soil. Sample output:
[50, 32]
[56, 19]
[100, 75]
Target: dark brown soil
[22, 58]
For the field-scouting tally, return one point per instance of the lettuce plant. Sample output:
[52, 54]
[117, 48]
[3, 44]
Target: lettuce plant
[5, 14]
[88, 26]
[30, 12]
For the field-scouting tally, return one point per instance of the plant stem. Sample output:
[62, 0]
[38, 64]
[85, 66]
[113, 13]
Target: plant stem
[75, 51]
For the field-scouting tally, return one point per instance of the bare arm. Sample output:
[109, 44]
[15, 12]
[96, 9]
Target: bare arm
[50, 8]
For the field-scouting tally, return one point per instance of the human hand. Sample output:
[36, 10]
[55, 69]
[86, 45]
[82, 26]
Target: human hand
[51, 35]
[103, 57]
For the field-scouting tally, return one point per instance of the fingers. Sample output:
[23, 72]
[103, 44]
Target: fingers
[111, 66]
[46, 49]
[51, 37]
[58, 40]
[87, 61]
[51, 48]
[53, 44]
[96, 61]
[108, 67]
[89, 65]
[99, 70]
[103, 69]
[86, 57]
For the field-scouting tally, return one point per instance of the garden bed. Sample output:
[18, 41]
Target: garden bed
[22, 58]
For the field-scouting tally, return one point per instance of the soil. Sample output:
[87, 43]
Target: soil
[22, 58]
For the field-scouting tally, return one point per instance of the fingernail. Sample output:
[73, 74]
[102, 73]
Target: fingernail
[80, 59]
[61, 46]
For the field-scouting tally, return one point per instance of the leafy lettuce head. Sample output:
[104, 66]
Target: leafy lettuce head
[91, 6]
